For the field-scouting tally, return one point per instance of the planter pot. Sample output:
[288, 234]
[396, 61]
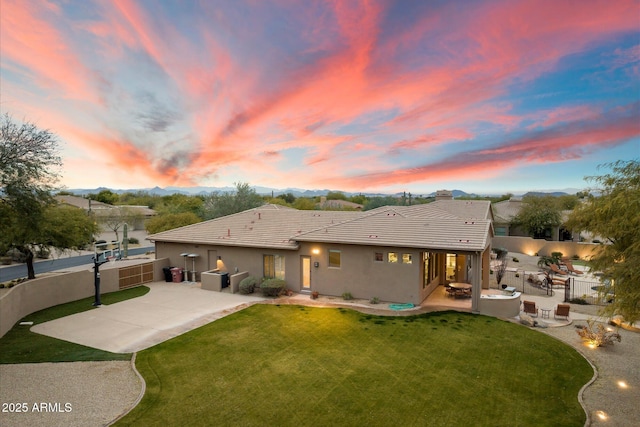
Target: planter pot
[314, 294]
[504, 286]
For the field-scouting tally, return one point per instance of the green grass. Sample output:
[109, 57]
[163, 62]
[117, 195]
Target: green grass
[20, 345]
[303, 366]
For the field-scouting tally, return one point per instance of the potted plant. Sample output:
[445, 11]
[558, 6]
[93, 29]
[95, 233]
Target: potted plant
[315, 294]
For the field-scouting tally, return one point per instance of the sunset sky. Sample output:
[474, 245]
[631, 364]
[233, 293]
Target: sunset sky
[483, 96]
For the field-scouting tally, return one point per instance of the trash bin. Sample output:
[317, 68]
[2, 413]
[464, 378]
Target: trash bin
[176, 274]
[167, 274]
[224, 280]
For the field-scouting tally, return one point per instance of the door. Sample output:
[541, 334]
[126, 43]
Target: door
[305, 272]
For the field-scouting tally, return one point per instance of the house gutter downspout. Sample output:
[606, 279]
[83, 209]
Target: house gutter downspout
[476, 282]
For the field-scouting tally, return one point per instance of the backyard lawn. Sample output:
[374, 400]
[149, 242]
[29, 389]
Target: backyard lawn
[294, 365]
[20, 345]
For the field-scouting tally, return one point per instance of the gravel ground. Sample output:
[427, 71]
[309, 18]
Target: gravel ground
[606, 401]
[67, 394]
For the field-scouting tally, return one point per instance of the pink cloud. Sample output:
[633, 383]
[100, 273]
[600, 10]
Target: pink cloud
[31, 41]
[549, 146]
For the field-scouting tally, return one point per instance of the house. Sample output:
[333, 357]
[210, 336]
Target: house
[135, 215]
[394, 253]
[506, 210]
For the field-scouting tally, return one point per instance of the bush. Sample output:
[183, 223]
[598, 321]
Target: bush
[273, 287]
[374, 300]
[133, 240]
[16, 255]
[515, 259]
[247, 285]
[43, 253]
[347, 296]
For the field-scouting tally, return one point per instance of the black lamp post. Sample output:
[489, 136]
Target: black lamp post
[96, 279]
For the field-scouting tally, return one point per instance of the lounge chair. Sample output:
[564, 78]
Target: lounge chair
[530, 308]
[551, 282]
[554, 268]
[562, 310]
[570, 267]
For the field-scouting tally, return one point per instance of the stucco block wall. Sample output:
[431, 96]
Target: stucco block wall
[59, 288]
[529, 246]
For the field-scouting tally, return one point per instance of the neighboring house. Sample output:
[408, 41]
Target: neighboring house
[504, 212]
[137, 214]
[394, 253]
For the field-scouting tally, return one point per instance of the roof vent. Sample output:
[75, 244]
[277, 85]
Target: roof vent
[373, 236]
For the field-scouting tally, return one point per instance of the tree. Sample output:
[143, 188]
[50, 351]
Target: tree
[222, 204]
[614, 216]
[501, 263]
[114, 218]
[538, 215]
[28, 170]
[170, 221]
[105, 196]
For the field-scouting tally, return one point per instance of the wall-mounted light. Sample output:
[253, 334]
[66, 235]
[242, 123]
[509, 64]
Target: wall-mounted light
[219, 257]
[315, 251]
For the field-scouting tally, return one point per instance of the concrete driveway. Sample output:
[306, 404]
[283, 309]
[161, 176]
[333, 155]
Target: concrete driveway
[168, 310]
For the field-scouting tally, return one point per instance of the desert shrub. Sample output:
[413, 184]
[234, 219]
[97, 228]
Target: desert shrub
[579, 301]
[556, 255]
[598, 335]
[515, 259]
[273, 287]
[347, 296]
[133, 240]
[43, 253]
[374, 300]
[1, 285]
[16, 255]
[247, 285]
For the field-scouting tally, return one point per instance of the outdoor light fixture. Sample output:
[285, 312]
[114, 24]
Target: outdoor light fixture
[219, 257]
[602, 415]
[622, 384]
[315, 251]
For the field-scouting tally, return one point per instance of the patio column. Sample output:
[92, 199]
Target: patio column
[476, 281]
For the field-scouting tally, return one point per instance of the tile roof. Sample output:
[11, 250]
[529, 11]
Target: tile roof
[389, 228]
[273, 226]
[268, 226]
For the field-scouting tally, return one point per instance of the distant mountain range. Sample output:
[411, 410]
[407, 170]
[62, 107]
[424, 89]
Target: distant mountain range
[297, 192]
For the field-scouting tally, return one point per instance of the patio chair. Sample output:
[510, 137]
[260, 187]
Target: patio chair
[556, 270]
[530, 308]
[570, 267]
[562, 310]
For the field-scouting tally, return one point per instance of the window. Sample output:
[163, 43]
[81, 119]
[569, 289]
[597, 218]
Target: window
[501, 231]
[406, 259]
[273, 266]
[378, 257]
[392, 257]
[334, 258]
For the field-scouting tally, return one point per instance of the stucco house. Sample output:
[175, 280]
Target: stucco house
[394, 253]
[136, 215]
[505, 211]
